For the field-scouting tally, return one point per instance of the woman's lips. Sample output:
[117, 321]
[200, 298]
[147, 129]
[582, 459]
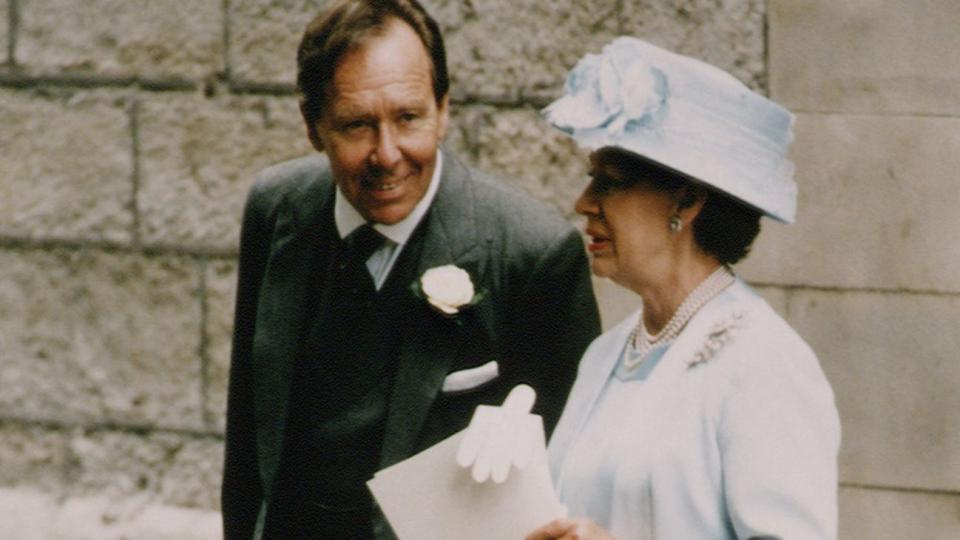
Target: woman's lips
[598, 245]
[597, 242]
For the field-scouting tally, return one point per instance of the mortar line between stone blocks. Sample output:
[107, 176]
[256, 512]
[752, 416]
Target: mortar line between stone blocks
[13, 30]
[900, 489]
[203, 352]
[225, 8]
[765, 28]
[788, 301]
[110, 246]
[135, 173]
[17, 79]
[618, 13]
[868, 290]
[94, 427]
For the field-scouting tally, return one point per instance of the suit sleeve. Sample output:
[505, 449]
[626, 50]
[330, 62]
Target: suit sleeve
[556, 318]
[241, 493]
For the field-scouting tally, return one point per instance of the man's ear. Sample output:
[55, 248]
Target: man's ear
[312, 133]
[443, 117]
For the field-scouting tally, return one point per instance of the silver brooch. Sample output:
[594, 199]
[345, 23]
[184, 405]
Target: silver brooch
[719, 335]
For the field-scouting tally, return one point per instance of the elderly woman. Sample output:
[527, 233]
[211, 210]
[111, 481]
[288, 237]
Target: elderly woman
[703, 414]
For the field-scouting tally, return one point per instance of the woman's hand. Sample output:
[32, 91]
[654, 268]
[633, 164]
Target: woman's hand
[570, 529]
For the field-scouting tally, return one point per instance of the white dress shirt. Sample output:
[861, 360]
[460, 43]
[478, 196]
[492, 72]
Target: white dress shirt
[379, 264]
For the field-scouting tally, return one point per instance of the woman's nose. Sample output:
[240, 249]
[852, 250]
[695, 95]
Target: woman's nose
[586, 203]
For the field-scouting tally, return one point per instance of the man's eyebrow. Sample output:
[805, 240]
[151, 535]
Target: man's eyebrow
[347, 112]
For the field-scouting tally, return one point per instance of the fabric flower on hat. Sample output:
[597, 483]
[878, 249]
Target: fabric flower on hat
[686, 115]
[609, 91]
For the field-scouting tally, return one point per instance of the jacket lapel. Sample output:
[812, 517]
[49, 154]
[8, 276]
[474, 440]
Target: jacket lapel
[598, 363]
[429, 347]
[297, 256]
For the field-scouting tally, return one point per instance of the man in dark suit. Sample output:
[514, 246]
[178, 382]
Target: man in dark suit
[340, 367]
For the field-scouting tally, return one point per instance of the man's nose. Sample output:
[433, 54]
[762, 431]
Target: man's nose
[386, 154]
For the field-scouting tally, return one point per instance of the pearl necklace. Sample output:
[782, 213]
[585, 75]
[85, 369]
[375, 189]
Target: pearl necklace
[641, 342]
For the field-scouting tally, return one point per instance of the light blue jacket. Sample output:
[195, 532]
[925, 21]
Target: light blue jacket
[734, 433]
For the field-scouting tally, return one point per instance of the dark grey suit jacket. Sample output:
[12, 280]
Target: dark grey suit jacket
[538, 318]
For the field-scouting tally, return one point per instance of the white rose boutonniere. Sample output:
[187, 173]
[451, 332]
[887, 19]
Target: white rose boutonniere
[448, 289]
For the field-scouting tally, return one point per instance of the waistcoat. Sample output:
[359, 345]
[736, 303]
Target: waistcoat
[339, 396]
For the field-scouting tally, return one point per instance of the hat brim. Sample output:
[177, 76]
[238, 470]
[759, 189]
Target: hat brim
[687, 177]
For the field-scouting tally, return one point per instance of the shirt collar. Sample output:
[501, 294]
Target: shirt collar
[348, 218]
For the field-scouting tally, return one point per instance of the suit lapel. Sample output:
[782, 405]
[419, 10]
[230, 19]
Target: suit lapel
[429, 346]
[297, 255]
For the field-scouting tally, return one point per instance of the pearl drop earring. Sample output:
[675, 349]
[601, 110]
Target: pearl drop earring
[676, 224]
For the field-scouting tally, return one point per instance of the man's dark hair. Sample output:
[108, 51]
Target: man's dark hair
[725, 227]
[347, 25]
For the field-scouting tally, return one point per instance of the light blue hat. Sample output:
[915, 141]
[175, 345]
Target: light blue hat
[686, 115]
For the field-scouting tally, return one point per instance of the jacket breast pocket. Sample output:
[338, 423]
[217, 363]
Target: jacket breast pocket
[470, 379]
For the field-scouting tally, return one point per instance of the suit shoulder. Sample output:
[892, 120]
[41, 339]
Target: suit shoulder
[516, 214]
[296, 176]
[772, 333]
[763, 344]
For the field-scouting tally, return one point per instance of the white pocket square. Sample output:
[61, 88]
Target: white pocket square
[467, 379]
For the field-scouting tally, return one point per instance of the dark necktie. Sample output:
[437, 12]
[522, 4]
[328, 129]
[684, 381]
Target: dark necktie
[357, 247]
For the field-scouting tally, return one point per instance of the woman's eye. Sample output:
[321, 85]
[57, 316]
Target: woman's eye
[599, 184]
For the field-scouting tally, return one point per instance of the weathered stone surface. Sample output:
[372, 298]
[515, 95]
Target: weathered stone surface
[877, 206]
[776, 297]
[264, 37]
[494, 47]
[66, 164]
[32, 456]
[34, 515]
[148, 38]
[162, 468]
[891, 515]
[516, 48]
[520, 148]
[199, 156]
[194, 475]
[148, 470]
[221, 292]
[857, 56]
[726, 33]
[891, 359]
[95, 337]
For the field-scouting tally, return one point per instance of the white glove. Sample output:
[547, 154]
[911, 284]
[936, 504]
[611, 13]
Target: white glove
[499, 437]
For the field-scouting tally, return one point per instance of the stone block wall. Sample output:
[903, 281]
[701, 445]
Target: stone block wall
[871, 272]
[130, 131]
